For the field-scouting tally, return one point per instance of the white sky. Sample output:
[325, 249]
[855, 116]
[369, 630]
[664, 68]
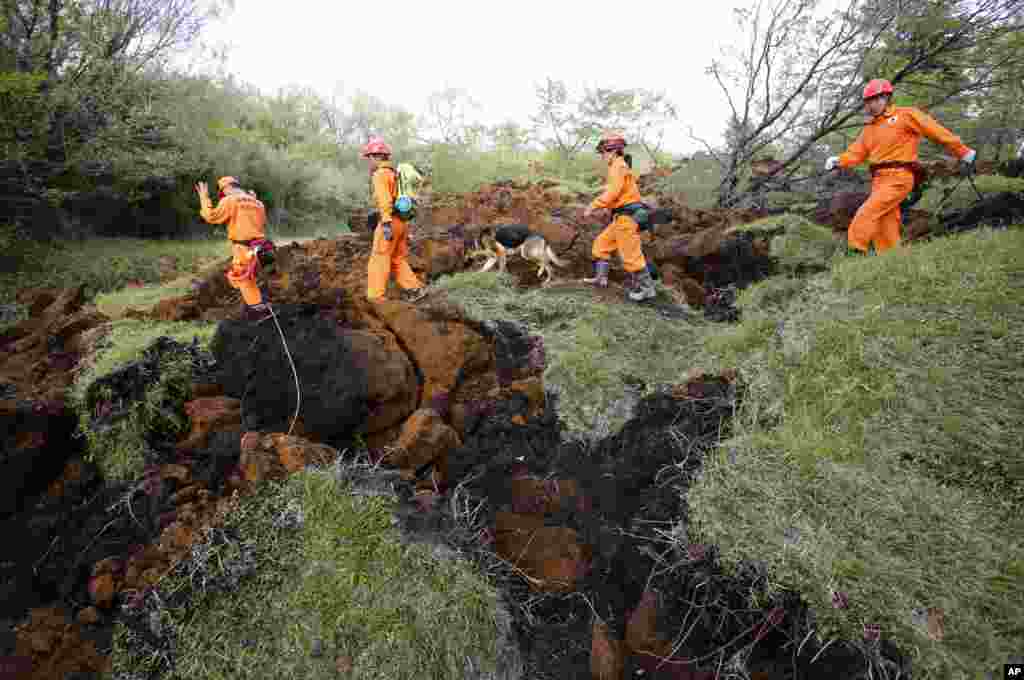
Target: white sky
[402, 51]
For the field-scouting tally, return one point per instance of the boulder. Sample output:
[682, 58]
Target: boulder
[425, 438]
[392, 386]
[207, 415]
[444, 349]
[332, 374]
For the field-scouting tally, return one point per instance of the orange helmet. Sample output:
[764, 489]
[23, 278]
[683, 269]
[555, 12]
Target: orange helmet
[611, 140]
[376, 145]
[876, 87]
[224, 182]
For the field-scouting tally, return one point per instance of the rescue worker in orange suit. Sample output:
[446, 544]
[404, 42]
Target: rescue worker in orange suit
[889, 143]
[623, 234]
[246, 217]
[391, 236]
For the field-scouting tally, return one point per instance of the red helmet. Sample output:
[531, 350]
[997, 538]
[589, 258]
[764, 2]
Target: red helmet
[376, 146]
[876, 87]
[611, 140]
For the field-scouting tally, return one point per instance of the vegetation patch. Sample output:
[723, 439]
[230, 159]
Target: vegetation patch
[117, 441]
[104, 265]
[874, 467]
[597, 352]
[309, 578]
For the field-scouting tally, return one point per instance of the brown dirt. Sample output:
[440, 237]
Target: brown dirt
[482, 407]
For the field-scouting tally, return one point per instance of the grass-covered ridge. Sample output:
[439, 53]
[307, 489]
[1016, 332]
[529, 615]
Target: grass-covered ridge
[595, 351]
[310, 580]
[878, 453]
[118, 451]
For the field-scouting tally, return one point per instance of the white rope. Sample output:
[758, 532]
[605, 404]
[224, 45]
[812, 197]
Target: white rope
[298, 389]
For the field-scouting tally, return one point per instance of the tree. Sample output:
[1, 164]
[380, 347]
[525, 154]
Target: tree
[558, 123]
[92, 52]
[447, 120]
[641, 114]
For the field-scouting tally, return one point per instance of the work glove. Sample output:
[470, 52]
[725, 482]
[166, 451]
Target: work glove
[967, 163]
[831, 162]
[386, 228]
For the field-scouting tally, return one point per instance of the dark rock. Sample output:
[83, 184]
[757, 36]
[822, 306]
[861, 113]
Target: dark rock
[332, 377]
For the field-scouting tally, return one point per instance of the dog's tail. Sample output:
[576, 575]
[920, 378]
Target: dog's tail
[554, 258]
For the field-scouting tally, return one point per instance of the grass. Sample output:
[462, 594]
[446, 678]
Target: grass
[119, 451]
[115, 303]
[595, 351]
[105, 265]
[964, 195]
[879, 430]
[310, 576]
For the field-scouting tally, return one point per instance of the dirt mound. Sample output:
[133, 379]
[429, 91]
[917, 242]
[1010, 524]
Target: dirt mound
[38, 355]
[596, 587]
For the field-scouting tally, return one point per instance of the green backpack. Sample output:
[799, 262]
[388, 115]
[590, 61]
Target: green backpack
[405, 201]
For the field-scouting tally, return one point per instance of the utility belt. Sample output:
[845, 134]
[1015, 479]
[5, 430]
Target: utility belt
[920, 177]
[262, 248]
[638, 212]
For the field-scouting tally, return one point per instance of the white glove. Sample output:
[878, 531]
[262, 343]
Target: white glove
[386, 227]
[969, 156]
[831, 162]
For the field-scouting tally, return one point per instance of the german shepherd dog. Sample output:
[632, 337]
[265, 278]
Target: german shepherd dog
[496, 243]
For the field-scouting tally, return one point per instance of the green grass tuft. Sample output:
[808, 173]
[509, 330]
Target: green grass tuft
[879, 429]
[333, 577]
[119, 451]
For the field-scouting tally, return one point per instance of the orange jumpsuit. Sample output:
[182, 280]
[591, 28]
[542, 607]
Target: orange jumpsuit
[247, 219]
[623, 234]
[388, 257]
[891, 137]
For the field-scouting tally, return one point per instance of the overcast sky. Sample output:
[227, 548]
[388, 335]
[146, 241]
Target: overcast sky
[402, 51]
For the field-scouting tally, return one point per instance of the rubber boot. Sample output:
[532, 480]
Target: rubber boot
[643, 287]
[600, 279]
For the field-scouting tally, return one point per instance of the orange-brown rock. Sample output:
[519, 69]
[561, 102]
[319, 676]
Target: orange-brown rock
[443, 349]
[210, 414]
[183, 308]
[295, 453]
[275, 455]
[88, 616]
[607, 658]
[178, 473]
[73, 471]
[52, 641]
[641, 629]
[425, 438]
[552, 558]
[102, 590]
[530, 494]
[393, 386]
[110, 565]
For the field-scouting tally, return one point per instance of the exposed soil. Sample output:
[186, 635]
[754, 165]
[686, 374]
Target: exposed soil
[597, 590]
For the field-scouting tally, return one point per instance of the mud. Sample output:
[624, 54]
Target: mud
[619, 499]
